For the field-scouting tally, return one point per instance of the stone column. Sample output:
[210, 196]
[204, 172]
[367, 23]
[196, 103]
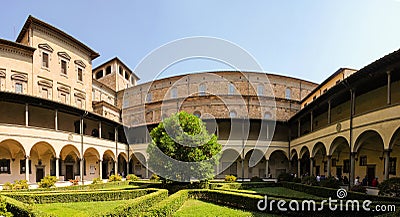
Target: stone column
[115, 167]
[387, 161]
[298, 168]
[58, 168]
[311, 166]
[27, 168]
[266, 168]
[100, 169]
[328, 167]
[312, 121]
[147, 170]
[352, 167]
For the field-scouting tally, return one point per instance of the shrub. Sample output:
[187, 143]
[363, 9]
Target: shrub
[97, 181]
[230, 178]
[154, 178]
[48, 182]
[138, 205]
[3, 208]
[132, 177]
[115, 178]
[309, 180]
[296, 180]
[256, 179]
[88, 196]
[285, 177]
[18, 185]
[7, 186]
[359, 188]
[74, 181]
[330, 182]
[390, 187]
[169, 206]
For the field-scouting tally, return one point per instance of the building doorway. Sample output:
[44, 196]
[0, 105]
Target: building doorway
[370, 174]
[39, 174]
[339, 172]
[69, 172]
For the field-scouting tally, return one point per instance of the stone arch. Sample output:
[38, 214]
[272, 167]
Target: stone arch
[366, 136]
[92, 152]
[229, 161]
[11, 153]
[69, 149]
[13, 148]
[369, 147]
[339, 141]
[138, 163]
[304, 150]
[395, 138]
[255, 163]
[109, 154]
[36, 148]
[293, 153]
[278, 163]
[319, 147]
[122, 164]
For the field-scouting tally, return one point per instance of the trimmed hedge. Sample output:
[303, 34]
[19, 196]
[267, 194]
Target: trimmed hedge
[67, 197]
[72, 188]
[17, 208]
[169, 206]
[138, 205]
[249, 202]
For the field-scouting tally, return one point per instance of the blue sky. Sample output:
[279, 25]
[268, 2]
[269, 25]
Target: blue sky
[307, 39]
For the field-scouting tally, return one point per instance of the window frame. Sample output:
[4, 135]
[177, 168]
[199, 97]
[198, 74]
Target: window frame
[5, 163]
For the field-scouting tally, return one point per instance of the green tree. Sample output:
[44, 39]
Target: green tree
[182, 149]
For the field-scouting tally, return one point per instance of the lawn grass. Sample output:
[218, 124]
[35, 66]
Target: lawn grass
[79, 209]
[203, 209]
[281, 192]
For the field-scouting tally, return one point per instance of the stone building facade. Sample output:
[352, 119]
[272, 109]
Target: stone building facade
[60, 117]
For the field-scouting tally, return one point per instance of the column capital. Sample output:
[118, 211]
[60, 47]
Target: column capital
[329, 156]
[387, 150]
[27, 156]
[389, 71]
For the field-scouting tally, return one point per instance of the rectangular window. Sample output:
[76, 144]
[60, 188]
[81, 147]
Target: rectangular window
[79, 103]
[18, 88]
[5, 166]
[346, 166]
[392, 165]
[64, 67]
[45, 93]
[80, 77]
[148, 97]
[45, 60]
[63, 97]
[363, 161]
[22, 166]
[231, 89]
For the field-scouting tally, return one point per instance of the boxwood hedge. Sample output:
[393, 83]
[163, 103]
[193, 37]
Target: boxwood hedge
[67, 197]
[138, 205]
[169, 206]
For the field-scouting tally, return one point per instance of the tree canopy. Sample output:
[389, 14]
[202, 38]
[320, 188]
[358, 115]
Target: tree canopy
[182, 149]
